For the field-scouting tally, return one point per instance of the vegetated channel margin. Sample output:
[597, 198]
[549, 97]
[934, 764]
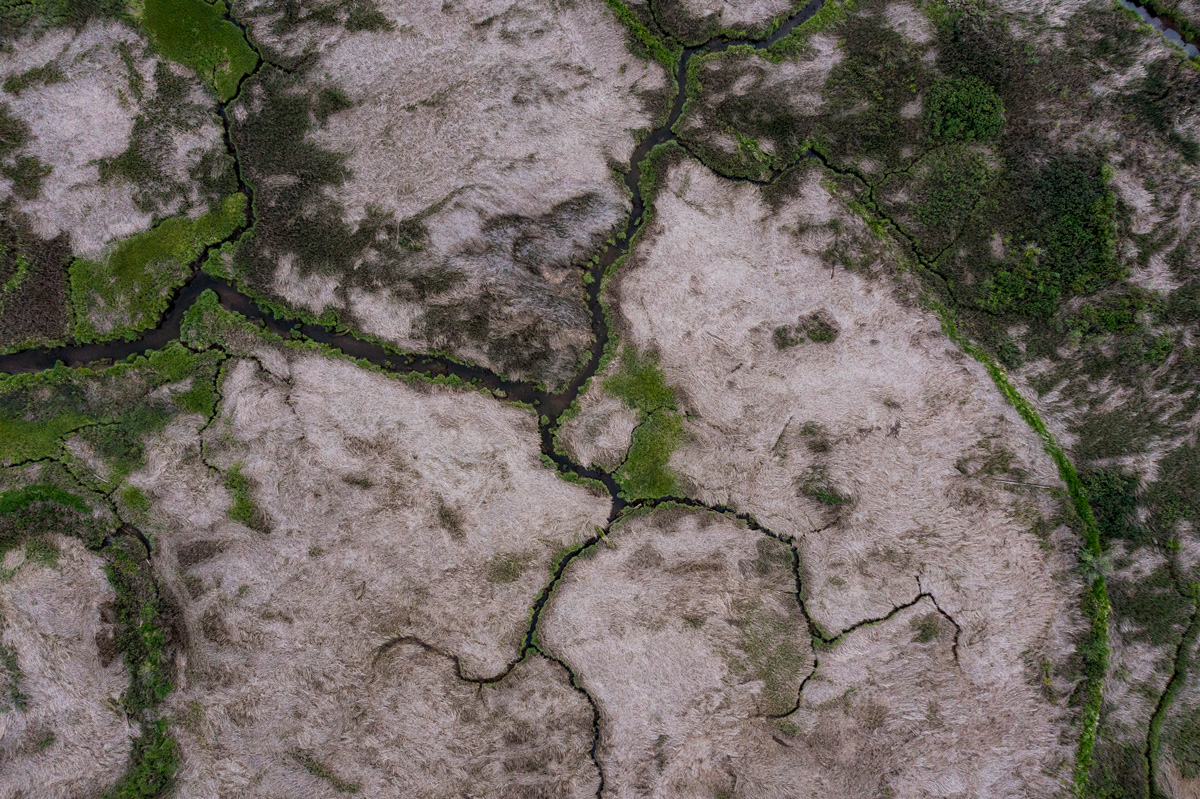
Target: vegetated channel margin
[550, 405]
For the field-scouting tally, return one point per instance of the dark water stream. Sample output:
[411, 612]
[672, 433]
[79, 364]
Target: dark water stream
[549, 405]
[1171, 30]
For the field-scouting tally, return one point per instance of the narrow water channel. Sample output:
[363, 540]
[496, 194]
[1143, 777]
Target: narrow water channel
[1164, 24]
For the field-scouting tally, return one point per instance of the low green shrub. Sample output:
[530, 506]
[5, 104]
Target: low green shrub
[1068, 238]
[963, 109]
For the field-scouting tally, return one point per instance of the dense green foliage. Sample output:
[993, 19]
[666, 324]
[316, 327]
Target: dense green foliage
[665, 54]
[963, 109]
[133, 280]
[153, 762]
[1113, 495]
[197, 34]
[1067, 240]
[140, 632]
[646, 472]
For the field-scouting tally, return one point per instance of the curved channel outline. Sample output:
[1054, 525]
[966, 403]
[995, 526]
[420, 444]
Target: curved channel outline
[550, 405]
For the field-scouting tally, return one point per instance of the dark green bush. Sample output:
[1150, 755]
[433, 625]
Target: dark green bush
[963, 109]
[1113, 495]
[1069, 238]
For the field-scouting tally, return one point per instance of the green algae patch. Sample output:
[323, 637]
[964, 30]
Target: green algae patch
[198, 35]
[129, 290]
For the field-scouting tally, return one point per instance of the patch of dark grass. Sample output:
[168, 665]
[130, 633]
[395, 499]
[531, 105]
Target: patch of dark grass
[941, 191]
[1113, 496]
[18, 17]
[774, 652]
[879, 73]
[505, 568]
[14, 132]
[817, 484]
[1183, 740]
[926, 628]
[1118, 771]
[45, 75]
[322, 771]
[1175, 496]
[14, 697]
[755, 116]
[42, 551]
[1150, 607]
[1168, 94]
[163, 117]
[1066, 245]
[450, 519]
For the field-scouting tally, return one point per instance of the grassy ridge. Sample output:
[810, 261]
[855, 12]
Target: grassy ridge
[1096, 606]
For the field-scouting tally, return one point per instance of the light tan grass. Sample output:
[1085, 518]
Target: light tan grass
[71, 739]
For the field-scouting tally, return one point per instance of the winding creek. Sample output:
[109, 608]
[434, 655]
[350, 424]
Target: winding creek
[548, 405]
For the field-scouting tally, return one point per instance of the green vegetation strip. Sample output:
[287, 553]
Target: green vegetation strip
[1174, 686]
[1095, 604]
[129, 289]
[667, 55]
[791, 45]
[646, 473]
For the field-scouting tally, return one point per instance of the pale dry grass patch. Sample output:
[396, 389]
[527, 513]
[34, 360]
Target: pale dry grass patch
[69, 737]
[735, 13]
[85, 118]
[686, 632]
[899, 491]
[497, 127]
[391, 509]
